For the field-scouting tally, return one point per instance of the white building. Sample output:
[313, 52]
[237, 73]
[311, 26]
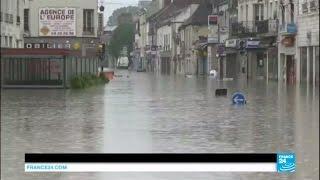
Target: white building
[71, 24]
[11, 18]
[167, 33]
[287, 44]
[308, 41]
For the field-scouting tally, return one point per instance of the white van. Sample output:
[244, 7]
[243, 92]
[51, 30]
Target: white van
[123, 62]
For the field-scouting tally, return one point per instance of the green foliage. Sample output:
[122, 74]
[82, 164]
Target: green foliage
[113, 19]
[87, 80]
[122, 36]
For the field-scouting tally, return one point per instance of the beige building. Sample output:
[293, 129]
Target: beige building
[193, 42]
[11, 19]
[72, 24]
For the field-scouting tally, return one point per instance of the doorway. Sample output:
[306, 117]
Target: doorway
[290, 70]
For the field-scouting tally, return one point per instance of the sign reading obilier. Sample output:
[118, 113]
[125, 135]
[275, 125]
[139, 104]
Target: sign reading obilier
[57, 22]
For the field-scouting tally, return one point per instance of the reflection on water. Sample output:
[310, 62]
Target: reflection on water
[148, 113]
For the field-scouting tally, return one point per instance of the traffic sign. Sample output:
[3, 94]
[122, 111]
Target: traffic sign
[238, 98]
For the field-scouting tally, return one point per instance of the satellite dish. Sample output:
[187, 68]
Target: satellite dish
[101, 8]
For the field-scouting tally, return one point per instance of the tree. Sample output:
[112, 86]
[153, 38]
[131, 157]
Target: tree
[113, 19]
[123, 36]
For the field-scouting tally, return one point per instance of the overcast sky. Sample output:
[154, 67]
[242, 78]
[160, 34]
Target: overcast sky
[111, 5]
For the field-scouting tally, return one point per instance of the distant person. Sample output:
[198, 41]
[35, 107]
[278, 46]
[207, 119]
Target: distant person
[130, 64]
[213, 73]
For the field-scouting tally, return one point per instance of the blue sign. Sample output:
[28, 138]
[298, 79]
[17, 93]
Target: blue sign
[292, 28]
[238, 98]
[253, 44]
[286, 162]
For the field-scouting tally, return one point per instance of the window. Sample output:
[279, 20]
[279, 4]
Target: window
[18, 13]
[6, 41]
[317, 64]
[291, 12]
[10, 41]
[261, 12]
[241, 13]
[11, 19]
[88, 24]
[275, 12]
[303, 64]
[100, 22]
[26, 19]
[282, 9]
[247, 9]
[18, 20]
[313, 5]
[304, 7]
[258, 12]
[310, 64]
[6, 18]
[271, 11]
[18, 8]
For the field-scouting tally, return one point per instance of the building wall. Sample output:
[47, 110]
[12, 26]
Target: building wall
[308, 22]
[161, 32]
[308, 43]
[80, 5]
[12, 33]
[270, 8]
[143, 34]
[190, 35]
[283, 51]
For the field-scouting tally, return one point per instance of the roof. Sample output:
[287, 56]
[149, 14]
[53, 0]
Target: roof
[199, 17]
[172, 10]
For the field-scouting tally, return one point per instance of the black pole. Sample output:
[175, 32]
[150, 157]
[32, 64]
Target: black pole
[247, 66]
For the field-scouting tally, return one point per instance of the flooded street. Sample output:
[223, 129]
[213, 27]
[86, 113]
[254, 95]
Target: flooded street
[146, 113]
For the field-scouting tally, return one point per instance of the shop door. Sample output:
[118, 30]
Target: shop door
[290, 71]
[231, 66]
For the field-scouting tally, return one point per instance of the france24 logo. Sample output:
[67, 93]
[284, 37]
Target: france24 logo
[286, 162]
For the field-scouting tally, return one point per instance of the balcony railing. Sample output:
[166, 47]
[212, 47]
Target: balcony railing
[254, 27]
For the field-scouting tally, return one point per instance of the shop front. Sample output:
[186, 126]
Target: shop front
[257, 58]
[232, 61]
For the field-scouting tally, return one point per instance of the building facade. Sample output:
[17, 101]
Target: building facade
[192, 46]
[308, 41]
[287, 44]
[254, 37]
[11, 19]
[167, 35]
[246, 39]
[62, 24]
[218, 25]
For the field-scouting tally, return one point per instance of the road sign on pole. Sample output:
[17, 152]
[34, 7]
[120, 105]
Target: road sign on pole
[238, 98]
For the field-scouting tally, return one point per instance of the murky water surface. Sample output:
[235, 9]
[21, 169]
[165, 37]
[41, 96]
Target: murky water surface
[150, 113]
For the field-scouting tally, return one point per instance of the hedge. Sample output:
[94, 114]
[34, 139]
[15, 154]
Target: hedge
[87, 80]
